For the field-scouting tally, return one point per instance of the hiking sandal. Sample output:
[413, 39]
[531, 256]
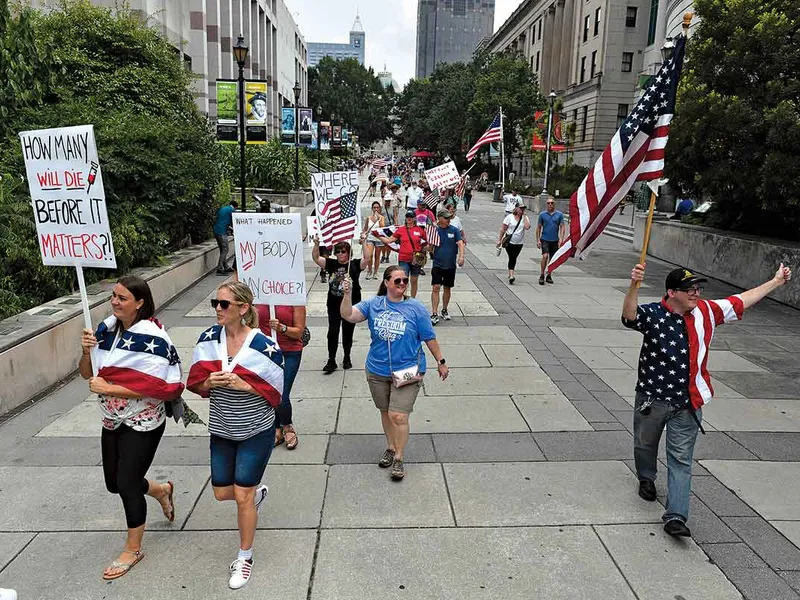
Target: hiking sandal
[138, 556]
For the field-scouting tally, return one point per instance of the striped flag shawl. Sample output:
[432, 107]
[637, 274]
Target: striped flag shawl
[141, 359]
[386, 232]
[259, 362]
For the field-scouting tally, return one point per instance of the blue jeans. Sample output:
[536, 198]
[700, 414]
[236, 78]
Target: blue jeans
[241, 462]
[681, 436]
[291, 364]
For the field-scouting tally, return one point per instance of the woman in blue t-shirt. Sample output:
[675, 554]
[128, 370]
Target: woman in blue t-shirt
[398, 326]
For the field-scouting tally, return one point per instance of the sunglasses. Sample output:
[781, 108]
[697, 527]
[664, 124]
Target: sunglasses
[341, 252]
[223, 304]
[400, 280]
[693, 291]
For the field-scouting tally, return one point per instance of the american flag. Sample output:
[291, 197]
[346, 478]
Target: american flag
[636, 153]
[380, 163]
[386, 232]
[340, 219]
[432, 233]
[493, 134]
[461, 186]
[431, 200]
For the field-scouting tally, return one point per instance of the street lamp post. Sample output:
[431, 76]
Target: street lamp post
[296, 89]
[319, 120]
[551, 98]
[240, 54]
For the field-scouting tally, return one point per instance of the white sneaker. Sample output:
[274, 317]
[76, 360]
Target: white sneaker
[7, 594]
[261, 495]
[241, 569]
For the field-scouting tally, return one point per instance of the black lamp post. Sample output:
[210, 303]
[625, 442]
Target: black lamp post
[240, 55]
[297, 90]
[319, 120]
[551, 99]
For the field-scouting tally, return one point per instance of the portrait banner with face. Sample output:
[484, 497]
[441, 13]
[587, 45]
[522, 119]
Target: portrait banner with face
[227, 112]
[287, 125]
[314, 136]
[305, 117]
[256, 102]
[325, 135]
[269, 257]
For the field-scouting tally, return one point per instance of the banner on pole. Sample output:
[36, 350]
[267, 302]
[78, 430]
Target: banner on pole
[269, 257]
[325, 135]
[314, 136]
[227, 119]
[306, 120]
[287, 125]
[256, 100]
[68, 198]
[442, 176]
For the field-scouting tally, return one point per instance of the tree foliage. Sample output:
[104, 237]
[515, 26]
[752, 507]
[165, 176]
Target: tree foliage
[735, 138]
[352, 95]
[269, 166]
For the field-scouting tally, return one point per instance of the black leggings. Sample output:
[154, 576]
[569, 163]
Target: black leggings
[127, 455]
[513, 251]
[334, 322]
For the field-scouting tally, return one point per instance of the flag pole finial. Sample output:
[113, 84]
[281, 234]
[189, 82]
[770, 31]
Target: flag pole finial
[687, 20]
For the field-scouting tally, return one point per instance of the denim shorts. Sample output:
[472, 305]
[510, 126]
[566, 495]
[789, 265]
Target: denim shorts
[410, 269]
[242, 462]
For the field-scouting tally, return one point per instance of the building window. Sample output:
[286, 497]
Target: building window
[651, 27]
[575, 117]
[627, 62]
[540, 29]
[630, 16]
[537, 61]
[594, 63]
[597, 21]
[586, 28]
[583, 125]
[622, 114]
[583, 69]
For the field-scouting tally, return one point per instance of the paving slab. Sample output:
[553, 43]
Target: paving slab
[761, 583]
[53, 452]
[367, 449]
[761, 385]
[364, 496]
[550, 413]
[770, 446]
[545, 494]
[598, 357]
[476, 335]
[725, 360]
[719, 498]
[490, 381]
[315, 415]
[315, 357]
[752, 414]
[48, 499]
[598, 337]
[736, 555]
[770, 544]
[486, 447]
[641, 551]
[585, 445]
[707, 527]
[12, 544]
[771, 488]
[500, 356]
[316, 384]
[458, 564]
[790, 529]
[200, 561]
[294, 501]
[438, 414]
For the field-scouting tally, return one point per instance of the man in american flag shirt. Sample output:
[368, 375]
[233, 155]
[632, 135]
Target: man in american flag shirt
[673, 382]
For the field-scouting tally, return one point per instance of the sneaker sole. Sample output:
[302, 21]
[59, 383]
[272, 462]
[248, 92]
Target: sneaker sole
[264, 491]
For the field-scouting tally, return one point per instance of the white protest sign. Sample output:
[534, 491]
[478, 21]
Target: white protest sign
[337, 205]
[269, 257]
[312, 229]
[68, 199]
[442, 176]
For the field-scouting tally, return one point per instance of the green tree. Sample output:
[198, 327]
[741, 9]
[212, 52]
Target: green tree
[735, 138]
[352, 95]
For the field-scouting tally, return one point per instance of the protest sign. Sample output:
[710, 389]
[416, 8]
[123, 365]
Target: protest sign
[336, 203]
[442, 176]
[312, 229]
[269, 257]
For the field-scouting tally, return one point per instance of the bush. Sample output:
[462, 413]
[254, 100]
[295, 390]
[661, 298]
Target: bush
[269, 166]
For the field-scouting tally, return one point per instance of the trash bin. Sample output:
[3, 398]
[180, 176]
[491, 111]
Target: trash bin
[498, 192]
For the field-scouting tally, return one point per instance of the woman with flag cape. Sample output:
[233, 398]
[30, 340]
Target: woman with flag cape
[241, 370]
[138, 371]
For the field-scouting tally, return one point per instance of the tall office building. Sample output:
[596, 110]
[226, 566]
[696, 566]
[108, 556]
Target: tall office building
[354, 49]
[449, 30]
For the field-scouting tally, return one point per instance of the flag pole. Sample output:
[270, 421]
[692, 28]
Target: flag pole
[502, 152]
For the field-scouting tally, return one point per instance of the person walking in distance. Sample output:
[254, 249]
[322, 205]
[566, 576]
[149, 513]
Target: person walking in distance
[396, 362]
[222, 226]
[375, 219]
[338, 269]
[446, 256]
[512, 236]
[412, 248]
[673, 382]
[550, 232]
[512, 200]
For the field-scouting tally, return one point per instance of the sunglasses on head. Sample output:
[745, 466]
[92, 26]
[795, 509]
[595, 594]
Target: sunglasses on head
[400, 280]
[223, 304]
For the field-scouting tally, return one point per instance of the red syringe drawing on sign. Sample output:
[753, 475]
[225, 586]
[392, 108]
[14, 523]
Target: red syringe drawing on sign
[248, 250]
[92, 176]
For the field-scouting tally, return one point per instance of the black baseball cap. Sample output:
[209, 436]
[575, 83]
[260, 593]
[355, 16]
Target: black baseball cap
[682, 279]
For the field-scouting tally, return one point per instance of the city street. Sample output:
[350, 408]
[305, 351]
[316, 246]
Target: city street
[519, 476]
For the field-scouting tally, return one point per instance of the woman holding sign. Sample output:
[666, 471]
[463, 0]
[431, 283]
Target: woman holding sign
[240, 370]
[138, 370]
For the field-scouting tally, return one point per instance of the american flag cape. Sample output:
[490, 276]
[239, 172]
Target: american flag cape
[636, 153]
[143, 359]
[379, 163]
[339, 219]
[259, 363]
[386, 232]
[493, 134]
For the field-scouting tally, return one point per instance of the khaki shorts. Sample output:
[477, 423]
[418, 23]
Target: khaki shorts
[388, 397]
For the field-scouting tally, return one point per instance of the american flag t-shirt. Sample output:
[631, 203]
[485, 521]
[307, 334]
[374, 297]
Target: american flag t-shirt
[340, 219]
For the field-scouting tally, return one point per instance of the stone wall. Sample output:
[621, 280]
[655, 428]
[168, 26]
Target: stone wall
[742, 260]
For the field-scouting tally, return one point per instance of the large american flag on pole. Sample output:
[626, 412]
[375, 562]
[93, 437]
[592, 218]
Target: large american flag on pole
[339, 219]
[636, 153]
[493, 134]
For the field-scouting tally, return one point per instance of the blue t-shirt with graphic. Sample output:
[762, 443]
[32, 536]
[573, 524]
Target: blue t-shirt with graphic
[404, 325]
[446, 253]
[224, 220]
[550, 224]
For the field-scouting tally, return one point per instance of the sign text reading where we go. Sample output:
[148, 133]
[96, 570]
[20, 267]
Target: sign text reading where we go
[68, 197]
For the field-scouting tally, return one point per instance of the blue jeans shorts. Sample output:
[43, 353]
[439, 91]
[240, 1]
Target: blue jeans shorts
[410, 269]
[242, 462]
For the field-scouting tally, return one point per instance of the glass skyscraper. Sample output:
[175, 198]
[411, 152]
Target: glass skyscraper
[449, 30]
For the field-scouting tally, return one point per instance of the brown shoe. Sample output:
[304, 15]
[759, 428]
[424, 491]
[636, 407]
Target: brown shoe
[398, 472]
[387, 459]
[290, 435]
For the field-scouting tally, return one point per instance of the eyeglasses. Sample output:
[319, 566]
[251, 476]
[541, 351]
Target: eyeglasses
[400, 281]
[341, 252]
[693, 291]
[223, 304]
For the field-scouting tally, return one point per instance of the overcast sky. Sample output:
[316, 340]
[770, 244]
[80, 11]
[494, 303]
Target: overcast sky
[390, 27]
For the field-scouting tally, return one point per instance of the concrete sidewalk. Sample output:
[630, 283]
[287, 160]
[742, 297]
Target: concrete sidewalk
[519, 480]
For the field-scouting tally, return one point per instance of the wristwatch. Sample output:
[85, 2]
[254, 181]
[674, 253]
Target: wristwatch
[283, 328]
[443, 361]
